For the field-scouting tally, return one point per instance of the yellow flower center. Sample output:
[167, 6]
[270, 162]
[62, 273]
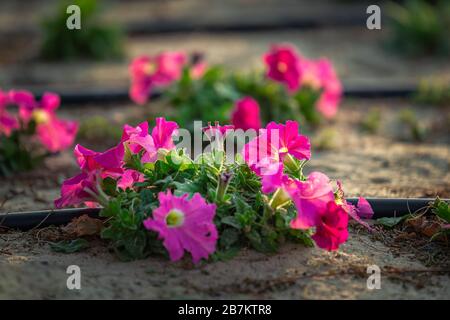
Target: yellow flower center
[41, 116]
[175, 218]
[283, 150]
[282, 67]
[150, 68]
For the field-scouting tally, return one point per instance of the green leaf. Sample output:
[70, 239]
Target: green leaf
[225, 255]
[231, 221]
[390, 222]
[69, 246]
[441, 209]
[229, 237]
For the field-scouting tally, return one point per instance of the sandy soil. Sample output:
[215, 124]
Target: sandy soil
[388, 164]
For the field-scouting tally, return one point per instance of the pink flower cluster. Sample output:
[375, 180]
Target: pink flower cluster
[96, 166]
[184, 224]
[53, 133]
[276, 149]
[285, 65]
[148, 72]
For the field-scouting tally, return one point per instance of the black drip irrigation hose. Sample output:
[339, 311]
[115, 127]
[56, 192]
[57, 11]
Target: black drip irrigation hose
[382, 207]
[108, 96]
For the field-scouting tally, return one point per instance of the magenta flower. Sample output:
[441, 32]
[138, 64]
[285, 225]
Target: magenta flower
[53, 133]
[8, 123]
[320, 75]
[185, 224]
[129, 178]
[109, 162]
[138, 139]
[364, 209]
[149, 72]
[273, 144]
[56, 135]
[246, 114]
[310, 197]
[282, 63]
[78, 189]
[331, 229]
[162, 133]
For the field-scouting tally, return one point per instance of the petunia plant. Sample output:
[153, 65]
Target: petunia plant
[159, 197]
[291, 87]
[30, 130]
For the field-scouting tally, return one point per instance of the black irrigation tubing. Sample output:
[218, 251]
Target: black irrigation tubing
[108, 96]
[325, 21]
[383, 207]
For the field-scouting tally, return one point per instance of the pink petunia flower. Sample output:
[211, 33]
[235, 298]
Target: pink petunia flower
[282, 62]
[149, 72]
[128, 178]
[77, 190]
[185, 224]
[331, 228]
[8, 123]
[273, 144]
[246, 114]
[53, 133]
[320, 75]
[362, 210]
[137, 139]
[310, 197]
[163, 132]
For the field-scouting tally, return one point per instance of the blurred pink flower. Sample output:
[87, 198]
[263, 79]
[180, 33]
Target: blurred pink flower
[320, 75]
[310, 197]
[56, 135]
[331, 228]
[8, 122]
[198, 70]
[53, 133]
[273, 144]
[185, 224]
[162, 133]
[149, 72]
[246, 114]
[282, 63]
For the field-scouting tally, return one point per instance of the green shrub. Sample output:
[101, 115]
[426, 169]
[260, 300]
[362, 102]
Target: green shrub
[95, 40]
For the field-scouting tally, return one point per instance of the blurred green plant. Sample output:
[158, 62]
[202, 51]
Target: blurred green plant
[416, 130]
[194, 98]
[434, 91]
[97, 128]
[372, 121]
[325, 139]
[419, 27]
[95, 40]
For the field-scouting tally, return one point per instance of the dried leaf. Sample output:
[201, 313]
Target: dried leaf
[84, 226]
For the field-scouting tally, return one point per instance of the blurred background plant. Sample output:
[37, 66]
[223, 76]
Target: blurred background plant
[420, 27]
[95, 40]
[414, 128]
[435, 91]
[372, 121]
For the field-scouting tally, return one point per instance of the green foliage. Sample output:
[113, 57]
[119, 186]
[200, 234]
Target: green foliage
[419, 27]
[434, 92]
[100, 129]
[390, 222]
[14, 157]
[441, 209]
[95, 40]
[243, 215]
[371, 123]
[70, 246]
[416, 130]
[193, 98]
